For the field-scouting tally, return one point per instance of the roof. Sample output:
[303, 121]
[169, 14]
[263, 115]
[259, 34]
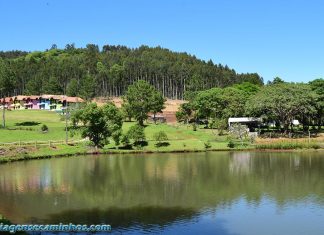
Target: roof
[21, 97]
[6, 99]
[244, 119]
[46, 96]
[73, 99]
[61, 98]
[34, 97]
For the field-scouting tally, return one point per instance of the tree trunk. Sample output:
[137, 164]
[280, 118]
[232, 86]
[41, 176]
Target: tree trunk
[154, 118]
[4, 117]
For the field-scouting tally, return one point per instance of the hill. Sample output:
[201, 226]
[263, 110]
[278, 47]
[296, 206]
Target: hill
[90, 72]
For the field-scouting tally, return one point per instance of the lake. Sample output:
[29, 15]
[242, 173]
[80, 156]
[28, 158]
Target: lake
[229, 193]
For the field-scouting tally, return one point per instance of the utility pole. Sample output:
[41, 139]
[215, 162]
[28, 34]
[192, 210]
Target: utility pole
[3, 115]
[66, 125]
[3, 111]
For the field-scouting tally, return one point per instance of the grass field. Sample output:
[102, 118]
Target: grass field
[181, 137]
[25, 125]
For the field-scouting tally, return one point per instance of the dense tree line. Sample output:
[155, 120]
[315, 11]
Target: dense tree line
[90, 72]
[278, 102]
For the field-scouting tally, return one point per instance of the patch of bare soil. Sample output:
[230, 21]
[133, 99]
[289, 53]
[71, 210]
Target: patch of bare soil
[171, 106]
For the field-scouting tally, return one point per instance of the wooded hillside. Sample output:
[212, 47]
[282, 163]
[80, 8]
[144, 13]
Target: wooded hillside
[90, 72]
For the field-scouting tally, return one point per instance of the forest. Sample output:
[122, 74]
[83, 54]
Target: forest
[90, 71]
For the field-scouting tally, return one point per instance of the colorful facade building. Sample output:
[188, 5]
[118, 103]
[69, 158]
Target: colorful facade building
[46, 102]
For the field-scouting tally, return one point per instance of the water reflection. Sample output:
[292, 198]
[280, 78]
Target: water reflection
[159, 190]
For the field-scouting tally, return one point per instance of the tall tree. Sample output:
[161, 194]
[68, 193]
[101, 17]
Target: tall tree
[6, 86]
[283, 102]
[87, 89]
[318, 87]
[99, 123]
[142, 98]
[72, 88]
[157, 104]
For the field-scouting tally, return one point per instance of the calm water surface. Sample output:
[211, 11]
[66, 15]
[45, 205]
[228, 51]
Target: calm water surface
[230, 193]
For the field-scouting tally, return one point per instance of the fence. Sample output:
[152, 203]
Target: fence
[39, 143]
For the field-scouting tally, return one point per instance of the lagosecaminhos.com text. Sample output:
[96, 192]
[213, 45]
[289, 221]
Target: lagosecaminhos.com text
[13, 228]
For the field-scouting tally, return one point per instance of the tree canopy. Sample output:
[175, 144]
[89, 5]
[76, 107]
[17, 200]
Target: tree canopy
[99, 123]
[142, 98]
[279, 102]
[6, 79]
[283, 102]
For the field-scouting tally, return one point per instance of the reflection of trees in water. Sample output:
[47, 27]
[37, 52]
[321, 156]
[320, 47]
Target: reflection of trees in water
[139, 219]
[195, 181]
[124, 217]
[240, 162]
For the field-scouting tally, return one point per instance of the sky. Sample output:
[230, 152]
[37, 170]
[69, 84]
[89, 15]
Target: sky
[282, 38]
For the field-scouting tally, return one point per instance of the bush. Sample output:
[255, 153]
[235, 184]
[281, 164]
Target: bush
[136, 133]
[207, 145]
[194, 127]
[220, 124]
[161, 138]
[44, 128]
[125, 141]
[231, 144]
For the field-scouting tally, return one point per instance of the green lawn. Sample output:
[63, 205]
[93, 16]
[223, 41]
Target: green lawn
[25, 125]
[181, 137]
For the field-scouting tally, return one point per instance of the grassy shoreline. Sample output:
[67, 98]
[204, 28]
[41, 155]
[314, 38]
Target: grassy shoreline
[24, 126]
[66, 152]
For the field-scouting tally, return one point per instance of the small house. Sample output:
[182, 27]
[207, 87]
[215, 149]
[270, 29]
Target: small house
[250, 122]
[157, 118]
[19, 102]
[69, 101]
[6, 102]
[34, 101]
[45, 102]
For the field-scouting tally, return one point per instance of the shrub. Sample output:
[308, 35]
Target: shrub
[220, 124]
[161, 138]
[136, 133]
[194, 127]
[44, 128]
[125, 141]
[207, 145]
[231, 144]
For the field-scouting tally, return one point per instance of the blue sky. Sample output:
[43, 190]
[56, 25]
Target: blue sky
[282, 38]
